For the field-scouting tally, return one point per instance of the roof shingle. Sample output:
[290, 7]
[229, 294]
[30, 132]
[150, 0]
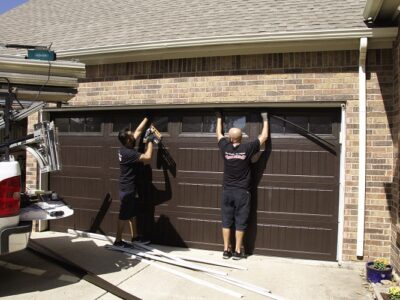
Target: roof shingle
[76, 24]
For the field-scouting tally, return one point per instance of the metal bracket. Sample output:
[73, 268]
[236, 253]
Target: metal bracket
[324, 142]
[24, 113]
[42, 144]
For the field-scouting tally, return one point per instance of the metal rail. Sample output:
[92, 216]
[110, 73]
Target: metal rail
[79, 271]
[323, 141]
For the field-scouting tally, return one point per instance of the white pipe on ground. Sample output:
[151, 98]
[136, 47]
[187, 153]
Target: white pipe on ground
[184, 275]
[362, 145]
[175, 262]
[242, 284]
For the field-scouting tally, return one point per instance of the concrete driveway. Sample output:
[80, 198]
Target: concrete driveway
[24, 275]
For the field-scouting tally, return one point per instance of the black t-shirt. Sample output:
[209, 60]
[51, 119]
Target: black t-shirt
[130, 167]
[237, 163]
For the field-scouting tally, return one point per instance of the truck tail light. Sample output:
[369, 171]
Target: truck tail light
[10, 189]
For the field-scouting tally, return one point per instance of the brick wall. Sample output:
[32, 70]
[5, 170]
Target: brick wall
[380, 154]
[395, 253]
[322, 76]
[291, 77]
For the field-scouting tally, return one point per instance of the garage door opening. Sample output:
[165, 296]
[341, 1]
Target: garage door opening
[296, 178]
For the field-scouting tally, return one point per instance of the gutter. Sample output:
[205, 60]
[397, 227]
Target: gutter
[144, 106]
[379, 33]
[17, 64]
[36, 80]
[362, 117]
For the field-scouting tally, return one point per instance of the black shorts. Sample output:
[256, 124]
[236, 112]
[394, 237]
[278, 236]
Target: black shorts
[235, 208]
[128, 207]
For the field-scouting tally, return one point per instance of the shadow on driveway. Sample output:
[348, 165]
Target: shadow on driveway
[24, 272]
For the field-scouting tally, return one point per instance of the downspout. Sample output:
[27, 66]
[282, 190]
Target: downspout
[40, 117]
[342, 183]
[362, 117]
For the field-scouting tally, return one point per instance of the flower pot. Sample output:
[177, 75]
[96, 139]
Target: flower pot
[374, 275]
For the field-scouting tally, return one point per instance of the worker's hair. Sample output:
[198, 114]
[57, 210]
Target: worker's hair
[124, 137]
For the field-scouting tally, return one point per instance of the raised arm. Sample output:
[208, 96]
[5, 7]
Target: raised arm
[218, 129]
[146, 156]
[140, 128]
[264, 133]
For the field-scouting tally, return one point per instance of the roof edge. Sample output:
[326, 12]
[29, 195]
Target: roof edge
[384, 12]
[389, 32]
[372, 9]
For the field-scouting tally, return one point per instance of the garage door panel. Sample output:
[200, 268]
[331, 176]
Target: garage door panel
[78, 186]
[300, 162]
[199, 176]
[111, 156]
[166, 230]
[284, 216]
[200, 159]
[80, 171]
[161, 174]
[82, 156]
[89, 203]
[159, 192]
[112, 172]
[86, 217]
[295, 240]
[113, 184]
[200, 230]
[275, 179]
[294, 201]
[199, 196]
[303, 142]
[156, 192]
[192, 228]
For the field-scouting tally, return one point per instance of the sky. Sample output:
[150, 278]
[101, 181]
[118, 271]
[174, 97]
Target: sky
[6, 5]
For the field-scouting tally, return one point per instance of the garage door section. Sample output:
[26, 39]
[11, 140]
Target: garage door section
[296, 178]
[298, 191]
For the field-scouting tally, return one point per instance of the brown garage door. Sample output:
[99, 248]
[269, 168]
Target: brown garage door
[296, 178]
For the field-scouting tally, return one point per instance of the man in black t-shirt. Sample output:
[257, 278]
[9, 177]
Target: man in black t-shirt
[235, 206]
[130, 163]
